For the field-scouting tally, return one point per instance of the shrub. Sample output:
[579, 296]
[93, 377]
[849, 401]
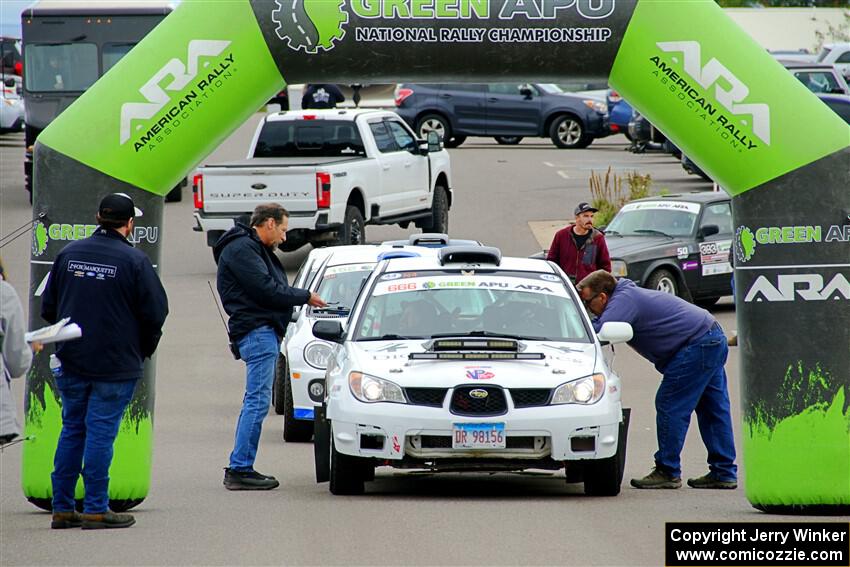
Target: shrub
[607, 193]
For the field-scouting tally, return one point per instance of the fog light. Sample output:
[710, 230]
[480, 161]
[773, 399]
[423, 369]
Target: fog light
[316, 389]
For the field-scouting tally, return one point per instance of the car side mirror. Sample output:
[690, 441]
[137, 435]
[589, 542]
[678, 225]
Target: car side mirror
[329, 331]
[9, 82]
[422, 147]
[526, 92]
[614, 332]
[708, 230]
[434, 142]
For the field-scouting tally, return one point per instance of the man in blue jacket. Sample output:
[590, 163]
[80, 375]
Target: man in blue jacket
[687, 345]
[256, 295]
[112, 292]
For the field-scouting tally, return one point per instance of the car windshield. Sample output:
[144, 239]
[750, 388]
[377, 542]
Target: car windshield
[522, 305]
[340, 285]
[654, 218]
[61, 67]
[313, 138]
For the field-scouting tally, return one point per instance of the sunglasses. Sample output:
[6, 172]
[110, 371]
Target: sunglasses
[590, 299]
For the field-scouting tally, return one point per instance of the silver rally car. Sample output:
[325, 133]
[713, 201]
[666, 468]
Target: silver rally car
[467, 361]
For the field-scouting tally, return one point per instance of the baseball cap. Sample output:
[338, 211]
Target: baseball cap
[583, 208]
[119, 207]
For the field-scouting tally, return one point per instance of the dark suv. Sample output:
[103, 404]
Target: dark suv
[506, 111]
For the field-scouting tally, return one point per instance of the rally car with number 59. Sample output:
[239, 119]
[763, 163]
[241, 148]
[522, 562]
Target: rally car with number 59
[468, 361]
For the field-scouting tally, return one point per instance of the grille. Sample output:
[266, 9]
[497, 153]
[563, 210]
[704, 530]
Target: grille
[445, 442]
[530, 397]
[464, 404]
[426, 396]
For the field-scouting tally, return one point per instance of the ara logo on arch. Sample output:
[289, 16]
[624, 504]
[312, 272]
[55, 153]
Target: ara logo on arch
[729, 90]
[790, 287]
[157, 94]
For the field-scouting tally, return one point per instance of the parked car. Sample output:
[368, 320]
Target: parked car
[619, 114]
[801, 55]
[837, 54]
[840, 104]
[470, 361]
[11, 108]
[679, 244]
[336, 171]
[507, 111]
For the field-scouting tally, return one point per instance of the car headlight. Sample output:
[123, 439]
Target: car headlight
[317, 354]
[587, 390]
[596, 105]
[619, 268]
[371, 389]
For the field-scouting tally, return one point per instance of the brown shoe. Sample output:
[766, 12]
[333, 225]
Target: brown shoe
[65, 520]
[657, 479]
[709, 481]
[107, 520]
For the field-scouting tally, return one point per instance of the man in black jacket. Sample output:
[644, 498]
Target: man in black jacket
[256, 295]
[112, 292]
[321, 96]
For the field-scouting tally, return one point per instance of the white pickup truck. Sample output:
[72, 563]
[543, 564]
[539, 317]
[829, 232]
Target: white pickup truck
[335, 171]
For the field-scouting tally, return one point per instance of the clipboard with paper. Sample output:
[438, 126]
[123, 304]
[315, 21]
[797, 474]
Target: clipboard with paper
[63, 330]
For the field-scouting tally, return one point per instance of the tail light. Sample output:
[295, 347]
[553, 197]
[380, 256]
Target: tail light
[309, 117]
[401, 95]
[323, 190]
[19, 68]
[198, 190]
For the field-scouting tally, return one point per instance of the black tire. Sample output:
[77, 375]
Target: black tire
[568, 132]
[294, 430]
[663, 280]
[706, 302]
[353, 229]
[439, 221]
[280, 371]
[454, 142]
[175, 195]
[435, 123]
[508, 140]
[605, 476]
[348, 474]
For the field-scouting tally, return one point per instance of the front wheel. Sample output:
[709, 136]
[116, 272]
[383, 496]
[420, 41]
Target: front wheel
[294, 430]
[353, 230]
[664, 281]
[568, 132]
[604, 477]
[508, 140]
[439, 221]
[348, 474]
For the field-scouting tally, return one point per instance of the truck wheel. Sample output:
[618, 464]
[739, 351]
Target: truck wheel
[663, 280]
[348, 474]
[435, 123]
[294, 430]
[175, 195]
[353, 229]
[454, 142]
[567, 132]
[508, 140]
[439, 221]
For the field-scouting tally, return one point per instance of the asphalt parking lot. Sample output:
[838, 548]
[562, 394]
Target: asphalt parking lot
[504, 195]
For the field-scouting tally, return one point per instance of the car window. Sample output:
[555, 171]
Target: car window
[113, 52]
[818, 81]
[315, 138]
[526, 306]
[840, 107]
[302, 273]
[464, 87]
[506, 88]
[402, 137]
[719, 214]
[341, 285]
[383, 139]
[844, 57]
[650, 218]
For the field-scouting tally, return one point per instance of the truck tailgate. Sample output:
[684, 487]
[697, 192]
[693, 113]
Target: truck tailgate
[238, 189]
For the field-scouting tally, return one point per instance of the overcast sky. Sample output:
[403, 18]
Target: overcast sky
[10, 16]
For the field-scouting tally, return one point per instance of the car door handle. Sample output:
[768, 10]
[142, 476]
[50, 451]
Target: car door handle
[408, 164]
[492, 99]
[445, 96]
[386, 167]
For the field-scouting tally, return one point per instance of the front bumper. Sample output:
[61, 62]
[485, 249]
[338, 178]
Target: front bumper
[398, 431]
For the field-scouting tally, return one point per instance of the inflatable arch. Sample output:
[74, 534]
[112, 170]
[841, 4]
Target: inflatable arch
[782, 154]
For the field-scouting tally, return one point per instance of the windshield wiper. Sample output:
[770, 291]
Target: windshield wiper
[332, 309]
[652, 231]
[389, 337]
[606, 232]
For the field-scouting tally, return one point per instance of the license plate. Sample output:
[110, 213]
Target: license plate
[478, 436]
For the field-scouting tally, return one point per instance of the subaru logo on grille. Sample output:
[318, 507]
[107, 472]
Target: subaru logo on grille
[478, 394]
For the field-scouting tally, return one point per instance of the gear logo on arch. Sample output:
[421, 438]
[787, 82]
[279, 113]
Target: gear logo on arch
[745, 244]
[310, 25]
[39, 238]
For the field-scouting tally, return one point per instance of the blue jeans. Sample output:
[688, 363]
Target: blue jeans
[259, 350]
[91, 416]
[695, 380]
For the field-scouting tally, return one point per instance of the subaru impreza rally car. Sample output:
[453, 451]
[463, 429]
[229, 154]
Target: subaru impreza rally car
[468, 361]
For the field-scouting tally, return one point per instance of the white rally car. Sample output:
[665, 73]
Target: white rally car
[470, 361]
[336, 274]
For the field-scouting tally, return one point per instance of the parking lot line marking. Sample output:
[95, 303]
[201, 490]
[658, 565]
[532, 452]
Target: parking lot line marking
[563, 174]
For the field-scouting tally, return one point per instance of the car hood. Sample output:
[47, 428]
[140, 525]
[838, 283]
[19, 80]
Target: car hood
[626, 246]
[390, 360]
